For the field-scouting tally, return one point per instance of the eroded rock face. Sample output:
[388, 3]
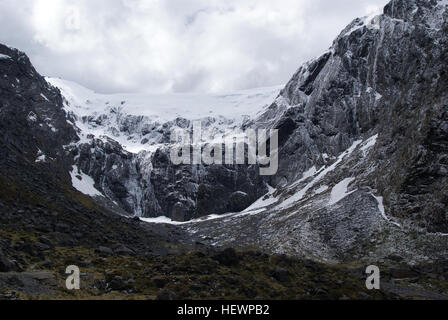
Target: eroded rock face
[32, 121]
[196, 191]
[383, 75]
[149, 185]
[362, 173]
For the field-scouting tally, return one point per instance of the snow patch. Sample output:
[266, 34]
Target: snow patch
[322, 173]
[370, 143]
[32, 117]
[309, 173]
[378, 96]
[383, 210]
[248, 213]
[321, 189]
[340, 191]
[5, 57]
[166, 220]
[45, 98]
[41, 157]
[85, 185]
[161, 220]
[371, 22]
[264, 201]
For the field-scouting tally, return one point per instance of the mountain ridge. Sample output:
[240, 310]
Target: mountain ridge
[336, 143]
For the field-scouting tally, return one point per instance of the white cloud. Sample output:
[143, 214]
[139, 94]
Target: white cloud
[175, 45]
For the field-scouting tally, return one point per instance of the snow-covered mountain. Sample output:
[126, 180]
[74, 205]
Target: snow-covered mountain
[363, 146]
[123, 141]
[138, 121]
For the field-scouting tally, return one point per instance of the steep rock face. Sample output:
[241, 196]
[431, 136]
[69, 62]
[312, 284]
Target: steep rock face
[128, 155]
[383, 75]
[111, 168]
[149, 185]
[363, 170]
[33, 124]
[195, 191]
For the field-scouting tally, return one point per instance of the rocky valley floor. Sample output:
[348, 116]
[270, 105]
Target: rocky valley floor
[164, 264]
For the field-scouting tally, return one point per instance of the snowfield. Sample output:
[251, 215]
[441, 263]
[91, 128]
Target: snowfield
[126, 117]
[84, 185]
[167, 107]
[340, 191]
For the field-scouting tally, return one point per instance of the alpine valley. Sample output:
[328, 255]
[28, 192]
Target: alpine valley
[86, 179]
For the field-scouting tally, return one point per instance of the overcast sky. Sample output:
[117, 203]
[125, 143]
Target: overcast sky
[175, 45]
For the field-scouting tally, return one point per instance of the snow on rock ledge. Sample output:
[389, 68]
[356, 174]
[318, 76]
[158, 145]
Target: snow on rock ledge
[83, 183]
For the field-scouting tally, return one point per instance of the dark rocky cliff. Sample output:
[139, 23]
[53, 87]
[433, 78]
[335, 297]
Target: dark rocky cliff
[383, 75]
[363, 157]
